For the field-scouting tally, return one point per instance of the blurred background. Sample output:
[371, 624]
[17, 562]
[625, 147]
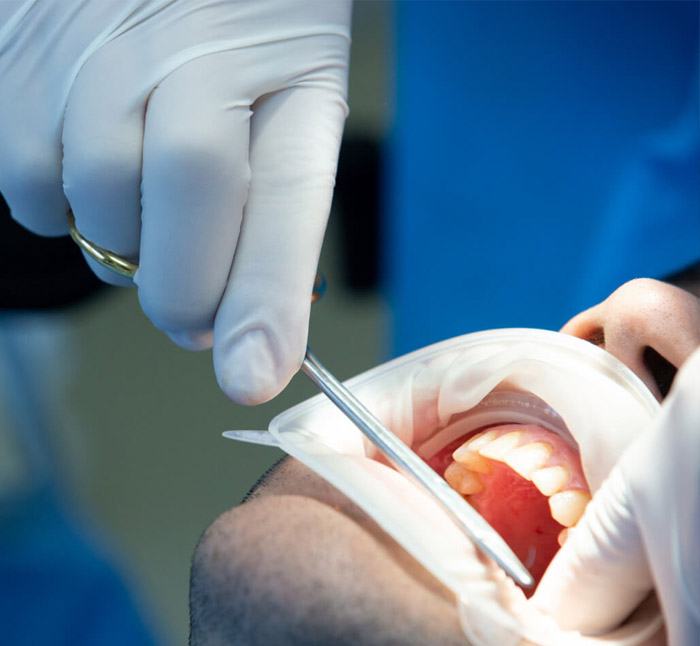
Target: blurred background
[526, 158]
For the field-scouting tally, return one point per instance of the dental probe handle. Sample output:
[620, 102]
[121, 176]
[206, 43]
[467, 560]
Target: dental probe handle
[409, 464]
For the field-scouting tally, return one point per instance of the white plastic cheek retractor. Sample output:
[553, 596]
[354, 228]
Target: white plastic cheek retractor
[438, 394]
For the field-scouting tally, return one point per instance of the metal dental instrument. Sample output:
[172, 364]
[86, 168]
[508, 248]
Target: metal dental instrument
[409, 464]
[487, 539]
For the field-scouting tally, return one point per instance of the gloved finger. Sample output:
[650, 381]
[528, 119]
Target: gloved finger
[30, 181]
[40, 43]
[30, 163]
[195, 181]
[640, 530]
[604, 552]
[262, 324]
[102, 142]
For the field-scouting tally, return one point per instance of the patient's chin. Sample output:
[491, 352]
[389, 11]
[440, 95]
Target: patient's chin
[525, 480]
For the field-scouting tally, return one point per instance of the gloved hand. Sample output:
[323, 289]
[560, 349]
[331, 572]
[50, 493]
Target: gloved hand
[640, 531]
[641, 528]
[197, 137]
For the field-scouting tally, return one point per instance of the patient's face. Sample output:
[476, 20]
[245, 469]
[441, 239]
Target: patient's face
[524, 479]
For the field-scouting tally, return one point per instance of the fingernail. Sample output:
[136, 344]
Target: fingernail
[248, 371]
[192, 340]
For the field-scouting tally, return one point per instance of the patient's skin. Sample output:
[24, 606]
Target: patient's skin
[299, 563]
[644, 314]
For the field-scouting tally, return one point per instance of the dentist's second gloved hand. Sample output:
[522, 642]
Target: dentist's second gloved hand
[640, 532]
[196, 137]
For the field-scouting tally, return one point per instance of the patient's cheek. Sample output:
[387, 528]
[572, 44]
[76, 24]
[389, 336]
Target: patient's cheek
[525, 480]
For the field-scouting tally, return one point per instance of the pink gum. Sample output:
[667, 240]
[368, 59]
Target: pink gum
[563, 454]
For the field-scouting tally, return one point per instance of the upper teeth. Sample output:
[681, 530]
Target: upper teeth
[550, 479]
[482, 439]
[497, 449]
[526, 459]
[568, 506]
[472, 460]
[529, 461]
[462, 479]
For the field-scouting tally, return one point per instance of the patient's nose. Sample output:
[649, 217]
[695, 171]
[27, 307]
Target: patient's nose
[651, 326]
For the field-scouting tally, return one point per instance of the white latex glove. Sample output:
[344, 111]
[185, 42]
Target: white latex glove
[198, 137]
[640, 531]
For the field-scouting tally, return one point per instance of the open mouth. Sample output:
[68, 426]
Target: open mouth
[525, 480]
[508, 418]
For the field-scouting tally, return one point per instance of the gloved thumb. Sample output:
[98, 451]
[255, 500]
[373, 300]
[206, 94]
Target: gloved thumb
[600, 575]
[640, 530]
